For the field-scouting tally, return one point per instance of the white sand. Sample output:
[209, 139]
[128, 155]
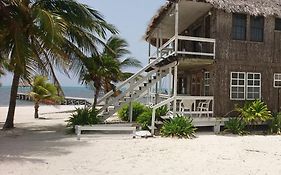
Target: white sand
[42, 147]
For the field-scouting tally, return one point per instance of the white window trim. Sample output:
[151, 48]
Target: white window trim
[274, 80]
[205, 79]
[245, 85]
[230, 90]
[253, 85]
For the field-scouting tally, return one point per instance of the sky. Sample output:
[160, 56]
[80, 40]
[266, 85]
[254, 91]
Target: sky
[131, 18]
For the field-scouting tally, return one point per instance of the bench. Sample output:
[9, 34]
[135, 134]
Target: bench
[103, 127]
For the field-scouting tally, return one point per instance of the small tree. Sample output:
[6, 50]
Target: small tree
[43, 91]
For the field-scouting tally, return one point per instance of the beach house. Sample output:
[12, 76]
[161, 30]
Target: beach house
[212, 54]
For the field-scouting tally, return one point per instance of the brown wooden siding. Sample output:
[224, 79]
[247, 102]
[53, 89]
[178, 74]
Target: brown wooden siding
[244, 56]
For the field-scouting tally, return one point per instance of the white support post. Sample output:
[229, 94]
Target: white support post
[176, 27]
[170, 82]
[156, 91]
[153, 121]
[157, 43]
[131, 112]
[175, 89]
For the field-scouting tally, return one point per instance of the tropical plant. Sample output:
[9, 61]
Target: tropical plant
[39, 36]
[42, 91]
[145, 118]
[138, 109]
[235, 126]
[162, 111]
[275, 124]
[179, 126]
[103, 70]
[83, 116]
[253, 112]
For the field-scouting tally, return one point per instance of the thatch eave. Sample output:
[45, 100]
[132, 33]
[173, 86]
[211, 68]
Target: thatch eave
[251, 7]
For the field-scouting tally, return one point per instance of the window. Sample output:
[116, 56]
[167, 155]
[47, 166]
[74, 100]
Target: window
[278, 24]
[245, 83]
[253, 86]
[277, 80]
[237, 88]
[206, 83]
[239, 26]
[257, 25]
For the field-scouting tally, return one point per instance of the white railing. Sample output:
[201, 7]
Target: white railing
[197, 101]
[187, 45]
[196, 108]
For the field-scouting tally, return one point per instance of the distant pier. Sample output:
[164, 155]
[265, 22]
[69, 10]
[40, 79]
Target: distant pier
[66, 101]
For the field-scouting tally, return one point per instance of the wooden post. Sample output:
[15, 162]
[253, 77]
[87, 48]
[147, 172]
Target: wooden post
[176, 27]
[175, 89]
[170, 82]
[131, 112]
[153, 121]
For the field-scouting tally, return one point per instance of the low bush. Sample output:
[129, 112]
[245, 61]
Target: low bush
[275, 124]
[138, 109]
[162, 111]
[254, 112]
[179, 126]
[235, 126]
[145, 118]
[83, 116]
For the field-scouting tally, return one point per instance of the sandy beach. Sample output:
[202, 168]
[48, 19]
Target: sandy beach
[43, 147]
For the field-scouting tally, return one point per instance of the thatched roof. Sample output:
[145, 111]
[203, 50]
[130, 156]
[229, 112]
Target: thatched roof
[252, 7]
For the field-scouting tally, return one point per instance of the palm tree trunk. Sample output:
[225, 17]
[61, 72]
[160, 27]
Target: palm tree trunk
[96, 97]
[36, 108]
[13, 100]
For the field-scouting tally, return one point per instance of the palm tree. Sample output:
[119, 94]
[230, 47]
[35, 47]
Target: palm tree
[40, 36]
[102, 71]
[42, 91]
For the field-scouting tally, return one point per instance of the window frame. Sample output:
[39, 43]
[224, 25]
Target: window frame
[254, 26]
[246, 85]
[275, 80]
[236, 24]
[253, 86]
[207, 77]
[277, 27]
[238, 79]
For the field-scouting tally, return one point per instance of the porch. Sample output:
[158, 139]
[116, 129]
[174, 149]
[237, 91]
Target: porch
[183, 31]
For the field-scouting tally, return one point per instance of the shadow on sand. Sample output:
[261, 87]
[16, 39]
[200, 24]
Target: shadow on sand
[29, 144]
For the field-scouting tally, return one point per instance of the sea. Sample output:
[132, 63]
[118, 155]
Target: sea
[78, 92]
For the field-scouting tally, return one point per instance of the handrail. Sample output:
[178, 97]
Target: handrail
[163, 103]
[199, 39]
[165, 45]
[129, 79]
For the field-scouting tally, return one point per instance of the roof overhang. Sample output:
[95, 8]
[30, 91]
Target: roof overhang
[190, 11]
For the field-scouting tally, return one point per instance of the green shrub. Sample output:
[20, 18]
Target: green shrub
[275, 124]
[83, 116]
[138, 109]
[162, 111]
[235, 126]
[145, 119]
[179, 126]
[253, 112]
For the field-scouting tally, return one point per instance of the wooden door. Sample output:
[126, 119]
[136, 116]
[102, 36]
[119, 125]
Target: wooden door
[196, 82]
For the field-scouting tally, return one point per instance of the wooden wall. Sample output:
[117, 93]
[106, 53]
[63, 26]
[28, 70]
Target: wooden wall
[244, 56]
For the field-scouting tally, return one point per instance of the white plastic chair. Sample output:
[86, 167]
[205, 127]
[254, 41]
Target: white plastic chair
[204, 106]
[186, 105]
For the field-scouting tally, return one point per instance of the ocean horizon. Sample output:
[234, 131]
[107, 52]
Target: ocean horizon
[69, 91]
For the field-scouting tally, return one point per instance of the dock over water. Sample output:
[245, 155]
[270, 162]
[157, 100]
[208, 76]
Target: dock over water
[66, 101]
